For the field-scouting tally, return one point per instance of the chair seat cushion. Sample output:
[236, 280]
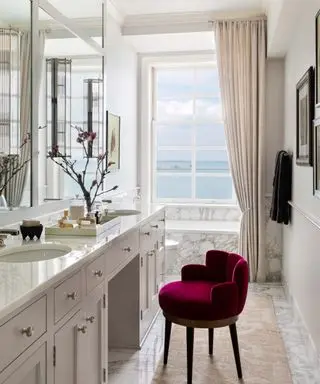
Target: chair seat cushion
[192, 300]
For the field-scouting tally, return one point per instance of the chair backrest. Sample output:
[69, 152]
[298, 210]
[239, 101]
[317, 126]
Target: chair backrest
[225, 266]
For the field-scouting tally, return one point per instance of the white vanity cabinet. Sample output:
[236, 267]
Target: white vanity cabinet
[68, 352]
[152, 269]
[31, 371]
[63, 334]
[79, 344]
[92, 356]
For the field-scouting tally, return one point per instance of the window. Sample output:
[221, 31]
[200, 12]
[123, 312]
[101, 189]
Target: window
[190, 160]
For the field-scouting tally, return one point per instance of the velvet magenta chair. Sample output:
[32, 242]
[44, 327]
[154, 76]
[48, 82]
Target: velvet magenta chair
[208, 296]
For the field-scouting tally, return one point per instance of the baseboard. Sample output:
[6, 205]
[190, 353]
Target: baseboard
[299, 320]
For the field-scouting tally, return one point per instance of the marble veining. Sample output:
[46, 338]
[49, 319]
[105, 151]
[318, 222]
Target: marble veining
[138, 367]
[19, 282]
[205, 213]
[193, 247]
[273, 245]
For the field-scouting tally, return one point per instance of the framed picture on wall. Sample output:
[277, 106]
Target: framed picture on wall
[305, 116]
[317, 75]
[316, 158]
[113, 140]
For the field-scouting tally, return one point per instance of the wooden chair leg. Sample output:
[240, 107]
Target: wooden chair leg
[235, 345]
[190, 338]
[167, 332]
[211, 330]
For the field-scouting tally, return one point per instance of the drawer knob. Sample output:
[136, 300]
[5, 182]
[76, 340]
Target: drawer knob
[98, 273]
[90, 319]
[127, 249]
[82, 329]
[72, 296]
[155, 226]
[147, 233]
[27, 331]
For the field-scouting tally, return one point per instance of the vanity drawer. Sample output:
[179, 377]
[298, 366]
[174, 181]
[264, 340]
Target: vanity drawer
[67, 295]
[120, 250]
[21, 331]
[130, 244]
[95, 273]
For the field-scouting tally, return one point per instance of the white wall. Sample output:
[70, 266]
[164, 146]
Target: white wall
[122, 100]
[274, 116]
[301, 238]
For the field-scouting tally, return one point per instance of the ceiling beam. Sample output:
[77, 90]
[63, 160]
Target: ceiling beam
[70, 25]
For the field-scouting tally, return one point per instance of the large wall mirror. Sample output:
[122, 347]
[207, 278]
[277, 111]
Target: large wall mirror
[15, 104]
[71, 93]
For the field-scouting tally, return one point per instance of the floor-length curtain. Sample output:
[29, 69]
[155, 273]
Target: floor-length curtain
[241, 56]
[18, 183]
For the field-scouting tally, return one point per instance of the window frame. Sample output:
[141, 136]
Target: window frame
[194, 122]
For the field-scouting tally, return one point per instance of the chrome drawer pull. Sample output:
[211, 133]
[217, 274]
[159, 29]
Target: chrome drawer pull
[155, 226]
[127, 249]
[82, 329]
[90, 319]
[27, 331]
[162, 220]
[150, 253]
[72, 296]
[98, 273]
[147, 233]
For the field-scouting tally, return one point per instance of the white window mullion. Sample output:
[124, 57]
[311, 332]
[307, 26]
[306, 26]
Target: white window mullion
[194, 140]
[173, 116]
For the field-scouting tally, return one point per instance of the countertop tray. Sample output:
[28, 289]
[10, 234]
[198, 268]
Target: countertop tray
[97, 230]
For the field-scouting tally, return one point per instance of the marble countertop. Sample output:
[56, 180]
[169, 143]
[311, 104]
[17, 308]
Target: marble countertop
[20, 282]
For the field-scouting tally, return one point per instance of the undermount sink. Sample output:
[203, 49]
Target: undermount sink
[122, 212]
[33, 252]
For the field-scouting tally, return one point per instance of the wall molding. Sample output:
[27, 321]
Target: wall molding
[312, 219]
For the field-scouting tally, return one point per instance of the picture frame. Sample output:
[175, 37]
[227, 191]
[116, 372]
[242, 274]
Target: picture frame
[304, 118]
[316, 158]
[317, 70]
[113, 123]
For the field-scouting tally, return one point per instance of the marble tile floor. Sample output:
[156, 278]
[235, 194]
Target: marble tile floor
[138, 367]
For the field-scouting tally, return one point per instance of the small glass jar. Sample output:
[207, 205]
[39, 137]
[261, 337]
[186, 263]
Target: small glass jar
[76, 209]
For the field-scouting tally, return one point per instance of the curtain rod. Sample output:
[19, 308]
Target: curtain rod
[250, 18]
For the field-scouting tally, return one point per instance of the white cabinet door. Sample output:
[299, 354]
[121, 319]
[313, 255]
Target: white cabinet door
[152, 277]
[69, 344]
[93, 313]
[143, 284]
[32, 371]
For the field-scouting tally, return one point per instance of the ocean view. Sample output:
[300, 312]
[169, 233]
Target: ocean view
[212, 180]
[185, 166]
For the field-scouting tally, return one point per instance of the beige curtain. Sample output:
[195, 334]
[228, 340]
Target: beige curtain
[241, 56]
[17, 185]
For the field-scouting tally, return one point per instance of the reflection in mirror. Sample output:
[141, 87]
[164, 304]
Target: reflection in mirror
[15, 104]
[71, 101]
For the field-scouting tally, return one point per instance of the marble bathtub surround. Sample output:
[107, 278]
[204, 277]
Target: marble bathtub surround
[203, 212]
[184, 221]
[193, 246]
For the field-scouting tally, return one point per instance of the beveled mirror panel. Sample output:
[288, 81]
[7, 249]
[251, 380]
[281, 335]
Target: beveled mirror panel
[15, 104]
[71, 98]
